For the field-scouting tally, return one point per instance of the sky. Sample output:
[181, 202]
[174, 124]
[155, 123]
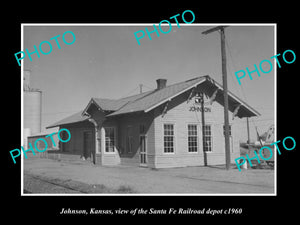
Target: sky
[106, 61]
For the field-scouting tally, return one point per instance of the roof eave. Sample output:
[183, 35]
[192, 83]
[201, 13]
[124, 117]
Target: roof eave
[121, 114]
[239, 100]
[92, 101]
[170, 98]
[62, 124]
[243, 104]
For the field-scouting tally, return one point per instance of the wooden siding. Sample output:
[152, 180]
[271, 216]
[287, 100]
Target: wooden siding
[134, 121]
[75, 145]
[41, 144]
[181, 113]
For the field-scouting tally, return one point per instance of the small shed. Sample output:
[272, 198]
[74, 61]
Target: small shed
[41, 144]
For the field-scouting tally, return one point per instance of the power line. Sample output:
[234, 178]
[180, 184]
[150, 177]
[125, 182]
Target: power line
[148, 87]
[132, 91]
[241, 87]
[231, 74]
[135, 90]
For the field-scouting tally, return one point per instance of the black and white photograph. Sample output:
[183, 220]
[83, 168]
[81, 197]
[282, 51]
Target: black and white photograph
[146, 115]
[183, 112]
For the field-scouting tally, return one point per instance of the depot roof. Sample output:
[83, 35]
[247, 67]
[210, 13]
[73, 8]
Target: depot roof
[147, 101]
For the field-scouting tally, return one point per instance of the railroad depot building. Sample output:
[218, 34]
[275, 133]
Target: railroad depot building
[172, 126]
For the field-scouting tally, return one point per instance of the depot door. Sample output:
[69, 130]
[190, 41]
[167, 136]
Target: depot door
[143, 151]
[87, 144]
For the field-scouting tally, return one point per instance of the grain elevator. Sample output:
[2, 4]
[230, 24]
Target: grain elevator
[32, 108]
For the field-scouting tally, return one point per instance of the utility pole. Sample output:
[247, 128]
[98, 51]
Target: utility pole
[203, 125]
[224, 77]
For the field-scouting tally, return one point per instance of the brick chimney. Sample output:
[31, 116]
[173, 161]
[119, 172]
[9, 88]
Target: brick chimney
[161, 83]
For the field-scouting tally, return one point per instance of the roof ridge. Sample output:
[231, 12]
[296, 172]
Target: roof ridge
[104, 98]
[196, 78]
[130, 96]
[140, 96]
[165, 91]
[150, 92]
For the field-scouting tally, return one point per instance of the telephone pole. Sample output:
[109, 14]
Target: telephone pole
[224, 77]
[203, 126]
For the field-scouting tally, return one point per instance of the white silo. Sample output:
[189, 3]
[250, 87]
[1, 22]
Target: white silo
[32, 106]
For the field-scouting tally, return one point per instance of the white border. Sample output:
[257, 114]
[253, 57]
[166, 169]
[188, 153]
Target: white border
[22, 111]
[275, 106]
[151, 24]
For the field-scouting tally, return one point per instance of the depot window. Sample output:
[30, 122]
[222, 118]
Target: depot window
[192, 138]
[110, 139]
[169, 138]
[207, 138]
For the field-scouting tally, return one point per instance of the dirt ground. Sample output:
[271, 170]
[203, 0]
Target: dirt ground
[193, 180]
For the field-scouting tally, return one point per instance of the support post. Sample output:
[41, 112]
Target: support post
[248, 134]
[191, 94]
[235, 111]
[102, 140]
[248, 131]
[213, 97]
[165, 109]
[96, 150]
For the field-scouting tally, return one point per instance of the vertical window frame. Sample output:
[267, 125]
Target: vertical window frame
[207, 134]
[114, 140]
[191, 135]
[168, 135]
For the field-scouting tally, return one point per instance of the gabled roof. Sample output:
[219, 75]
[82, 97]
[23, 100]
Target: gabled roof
[74, 118]
[158, 97]
[104, 104]
[147, 101]
[114, 104]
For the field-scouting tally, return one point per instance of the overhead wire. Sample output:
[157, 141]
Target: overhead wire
[130, 92]
[241, 88]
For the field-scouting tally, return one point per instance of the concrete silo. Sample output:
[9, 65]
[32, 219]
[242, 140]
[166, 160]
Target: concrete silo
[32, 99]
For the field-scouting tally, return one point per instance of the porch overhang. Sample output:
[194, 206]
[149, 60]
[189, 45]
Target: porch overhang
[91, 103]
